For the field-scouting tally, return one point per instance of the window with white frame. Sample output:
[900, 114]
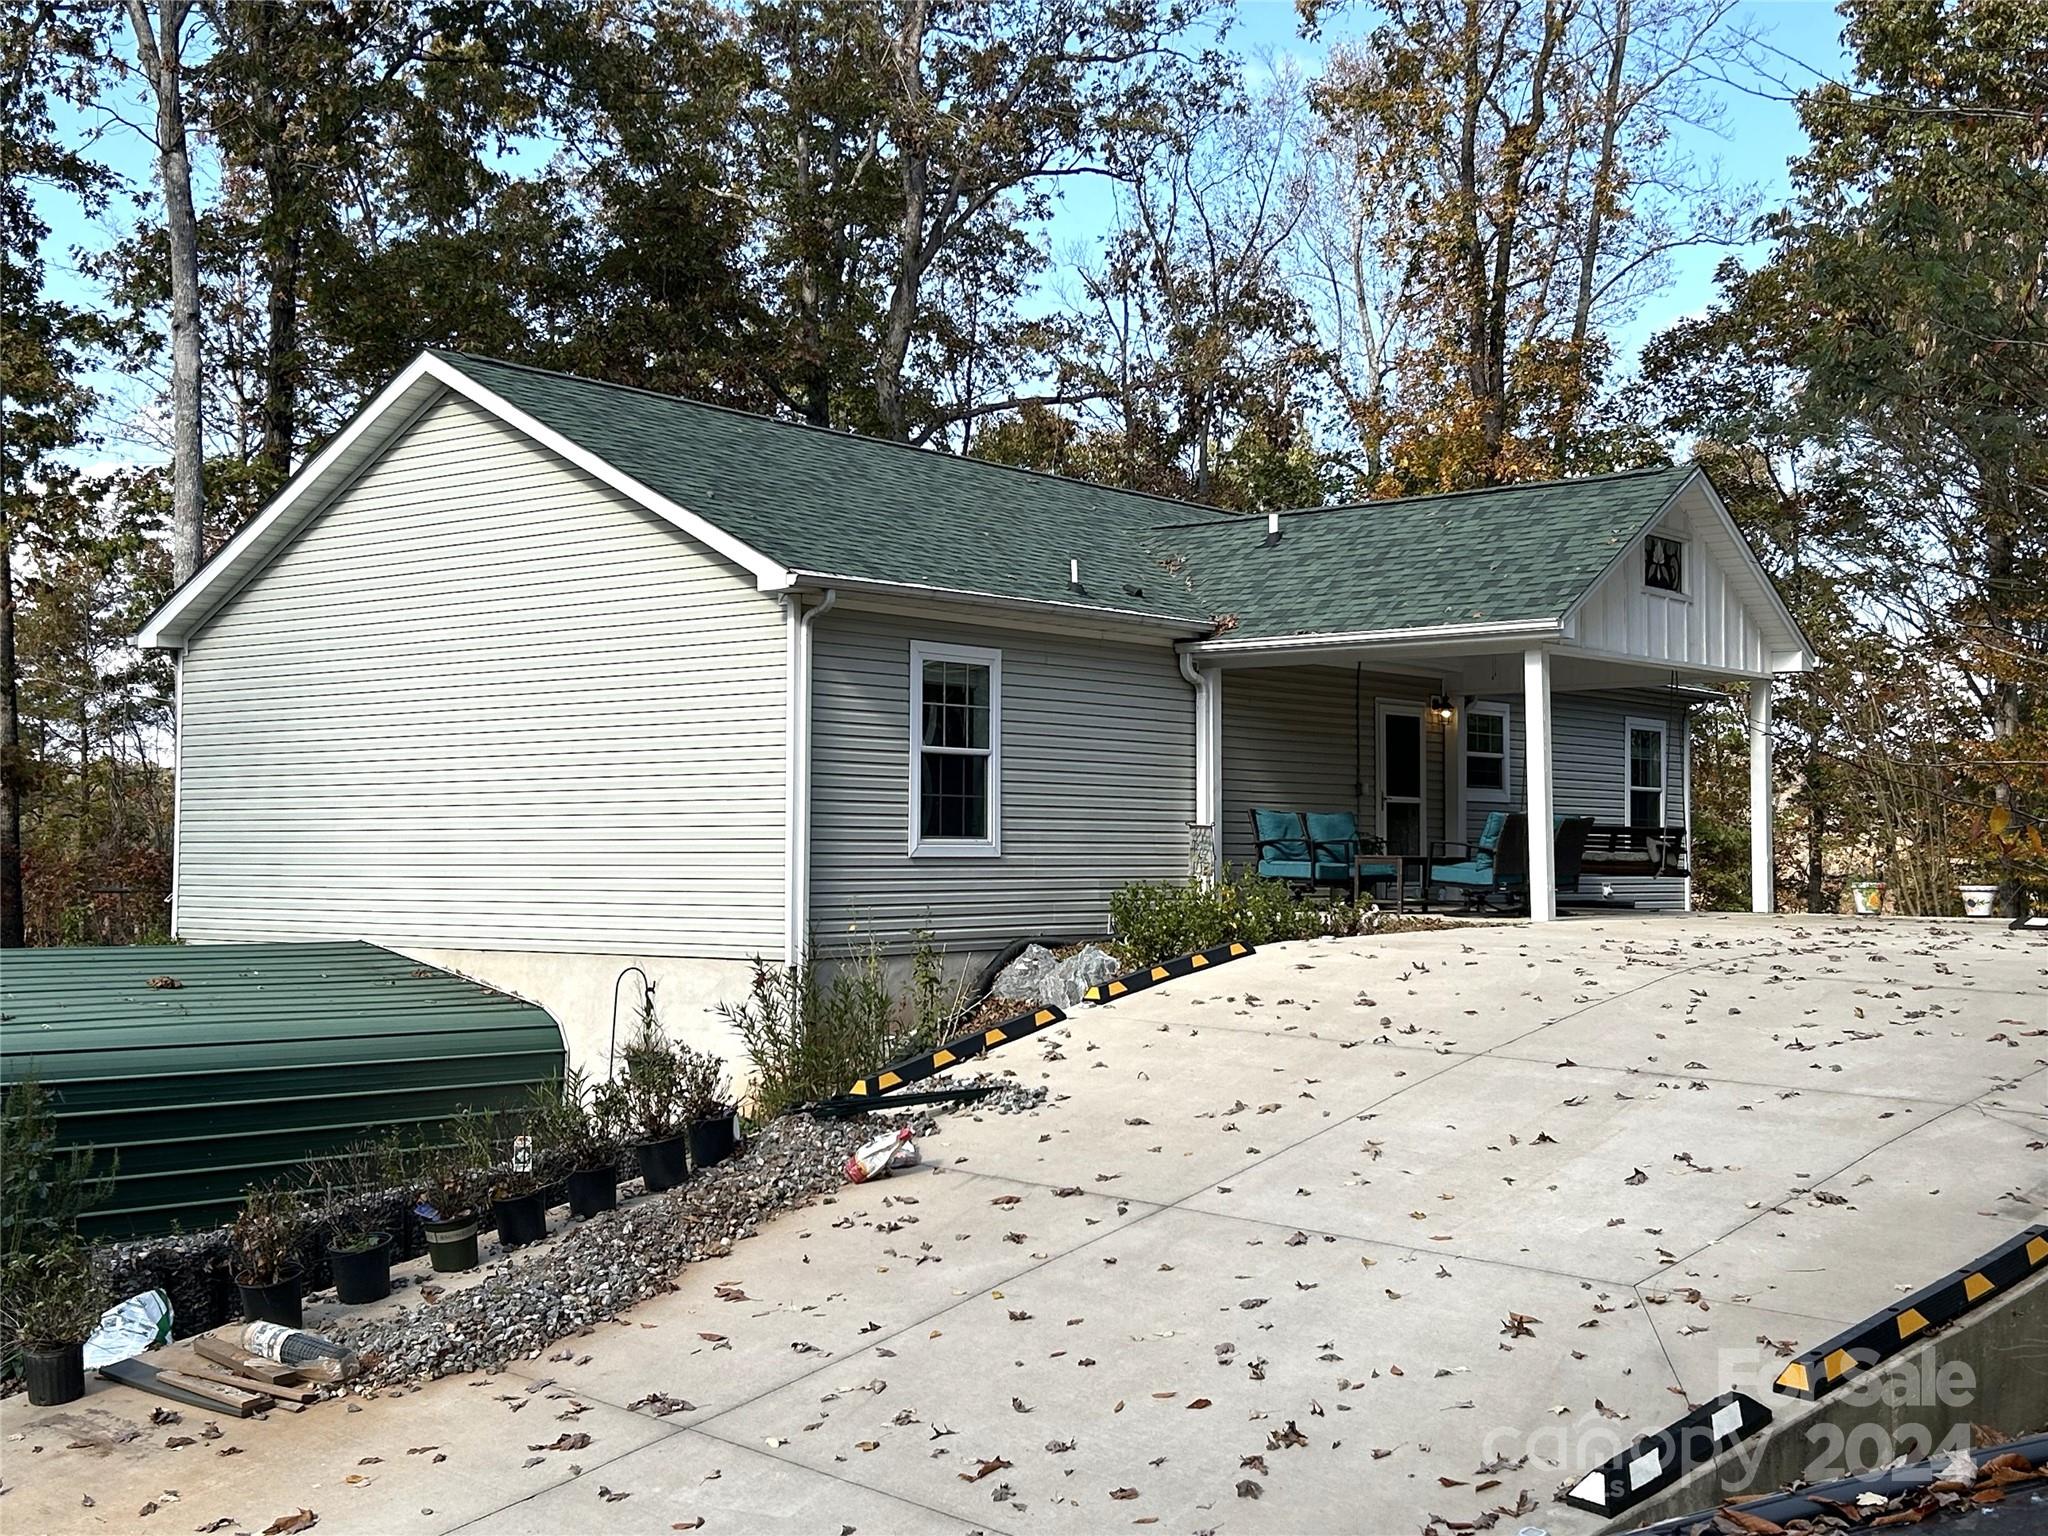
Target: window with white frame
[1645, 770]
[1486, 753]
[956, 756]
[1664, 563]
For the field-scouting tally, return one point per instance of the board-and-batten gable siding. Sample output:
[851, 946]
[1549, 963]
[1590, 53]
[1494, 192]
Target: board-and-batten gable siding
[1307, 739]
[483, 700]
[1097, 785]
[1710, 625]
[1589, 775]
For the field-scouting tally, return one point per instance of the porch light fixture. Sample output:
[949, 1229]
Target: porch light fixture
[1440, 708]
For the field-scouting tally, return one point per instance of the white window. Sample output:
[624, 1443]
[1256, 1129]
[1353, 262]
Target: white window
[1645, 770]
[956, 751]
[1664, 564]
[1486, 754]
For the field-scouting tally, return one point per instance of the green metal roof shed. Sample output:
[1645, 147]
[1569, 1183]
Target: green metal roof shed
[207, 1068]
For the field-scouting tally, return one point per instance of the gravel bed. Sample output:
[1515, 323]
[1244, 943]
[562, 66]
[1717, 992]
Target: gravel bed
[596, 1268]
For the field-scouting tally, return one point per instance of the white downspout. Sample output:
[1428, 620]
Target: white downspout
[1208, 688]
[796, 770]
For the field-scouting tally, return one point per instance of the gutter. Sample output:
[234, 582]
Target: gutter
[1522, 630]
[796, 770]
[1208, 688]
[789, 580]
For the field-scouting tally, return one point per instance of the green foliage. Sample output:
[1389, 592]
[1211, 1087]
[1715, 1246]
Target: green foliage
[1719, 864]
[808, 1039]
[268, 1234]
[577, 1123]
[44, 1187]
[1153, 922]
[666, 1087]
[54, 1295]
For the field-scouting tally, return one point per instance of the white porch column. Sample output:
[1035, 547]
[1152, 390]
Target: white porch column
[1763, 894]
[1454, 763]
[1536, 748]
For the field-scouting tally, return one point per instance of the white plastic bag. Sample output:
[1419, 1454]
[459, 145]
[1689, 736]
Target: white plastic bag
[128, 1328]
[877, 1157]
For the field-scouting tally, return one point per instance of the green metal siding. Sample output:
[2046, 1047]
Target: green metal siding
[263, 1056]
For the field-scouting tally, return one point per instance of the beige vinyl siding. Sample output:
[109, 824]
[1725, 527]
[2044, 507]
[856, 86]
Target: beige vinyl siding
[1589, 775]
[482, 700]
[1307, 739]
[1097, 785]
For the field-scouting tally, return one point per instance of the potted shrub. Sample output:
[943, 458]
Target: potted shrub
[53, 1304]
[709, 1113]
[445, 1191]
[358, 1249]
[266, 1237]
[499, 1146]
[578, 1127]
[652, 1088]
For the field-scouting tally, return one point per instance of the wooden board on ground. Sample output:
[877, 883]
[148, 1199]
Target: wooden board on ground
[199, 1370]
[237, 1359]
[204, 1395]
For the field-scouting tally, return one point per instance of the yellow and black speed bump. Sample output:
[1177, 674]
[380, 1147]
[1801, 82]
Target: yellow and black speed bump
[1165, 970]
[1825, 1367]
[917, 1068]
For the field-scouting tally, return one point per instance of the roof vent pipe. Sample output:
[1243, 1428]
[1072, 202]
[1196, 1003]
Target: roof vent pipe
[1074, 574]
[1272, 527]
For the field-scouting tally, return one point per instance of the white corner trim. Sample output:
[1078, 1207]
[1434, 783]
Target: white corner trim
[990, 847]
[315, 484]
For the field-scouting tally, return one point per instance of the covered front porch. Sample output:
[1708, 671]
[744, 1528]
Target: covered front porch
[1421, 762]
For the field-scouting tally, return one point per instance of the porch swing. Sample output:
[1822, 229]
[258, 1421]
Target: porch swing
[1656, 852]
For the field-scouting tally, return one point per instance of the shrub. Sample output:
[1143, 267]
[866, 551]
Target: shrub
[267, 1235]
[44, 1188]
[807, 1040]
[578, 1123]
[53, 1295]
[1150, 923]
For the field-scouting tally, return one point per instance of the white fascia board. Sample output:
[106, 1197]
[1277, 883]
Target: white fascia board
[1760, 576]
[1521, 632]
[232, 562]
[331, 470]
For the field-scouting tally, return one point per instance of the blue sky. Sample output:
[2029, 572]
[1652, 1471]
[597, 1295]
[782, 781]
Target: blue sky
[1759, 136]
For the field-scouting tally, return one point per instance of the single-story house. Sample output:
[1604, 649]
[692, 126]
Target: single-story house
[537, 678]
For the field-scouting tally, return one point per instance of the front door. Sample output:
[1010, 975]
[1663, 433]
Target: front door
[1400, 776]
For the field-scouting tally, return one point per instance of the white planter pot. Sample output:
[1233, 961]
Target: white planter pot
[1866, 897]
[1978, 899]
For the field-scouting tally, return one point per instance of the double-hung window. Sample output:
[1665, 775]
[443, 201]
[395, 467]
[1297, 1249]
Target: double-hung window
[1645, 769]
[1486, 753]
[956, 750]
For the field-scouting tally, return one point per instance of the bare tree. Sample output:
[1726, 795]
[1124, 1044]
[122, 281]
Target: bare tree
[159, 51]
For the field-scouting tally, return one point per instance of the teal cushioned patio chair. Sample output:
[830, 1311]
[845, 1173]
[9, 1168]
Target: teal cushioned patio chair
[1280, 841]
[1499, 861]
[1334, 838]
[1496, 865]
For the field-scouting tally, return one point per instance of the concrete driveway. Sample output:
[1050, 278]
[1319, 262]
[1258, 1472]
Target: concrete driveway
[1344, 1236]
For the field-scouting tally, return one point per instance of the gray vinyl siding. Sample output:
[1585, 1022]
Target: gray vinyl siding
[1097, 785]
[1588, 776]
[1307, 739]
[484, 701]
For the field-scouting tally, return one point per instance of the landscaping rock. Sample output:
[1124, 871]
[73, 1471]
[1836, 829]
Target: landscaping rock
[1043, 977]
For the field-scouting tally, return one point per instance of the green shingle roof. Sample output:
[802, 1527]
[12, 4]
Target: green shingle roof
[1510, 554]
[835, 504]
[859, 507]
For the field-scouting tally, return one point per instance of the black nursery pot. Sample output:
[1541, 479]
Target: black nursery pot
[278, 1302]
[362, 1275]
[520, 1220]
[55, 1373]
[665, 1164]
[713, 1141]
[592, 1190]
